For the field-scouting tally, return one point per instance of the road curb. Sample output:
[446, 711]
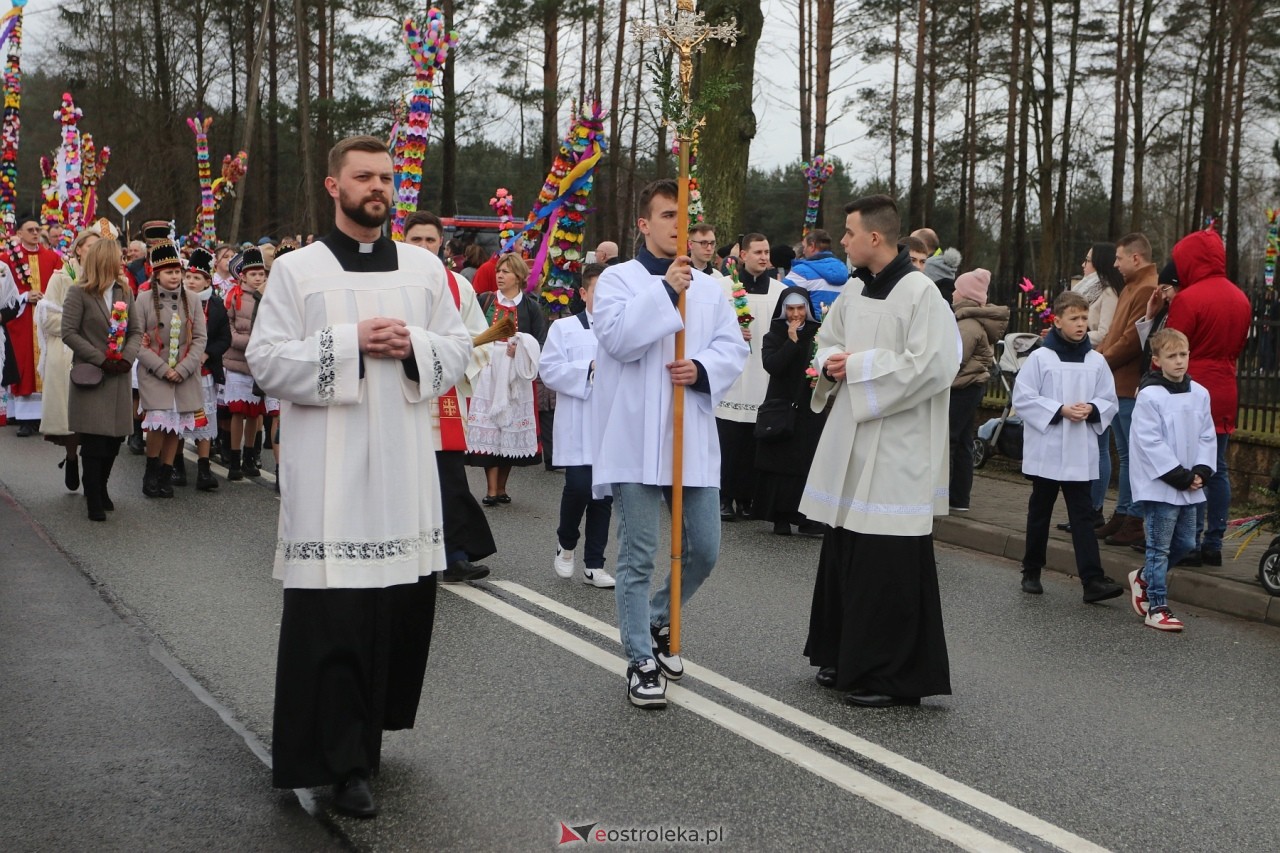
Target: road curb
[1185, 586]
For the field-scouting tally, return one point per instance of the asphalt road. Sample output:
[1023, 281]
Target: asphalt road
[1072, 727]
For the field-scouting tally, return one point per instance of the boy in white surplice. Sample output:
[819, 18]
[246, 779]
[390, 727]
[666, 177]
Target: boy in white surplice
[635, 322]
[356, 335]
[1066, 397]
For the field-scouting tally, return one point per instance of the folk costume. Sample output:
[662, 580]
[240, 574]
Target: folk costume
[11, 305]
[635, 323]
[784, 464]
[360, 534]
[736, 413]
[467, 535]
[568, 369]
[502, 422]
[31, 270]
[878, 478]
[241, 394]
[173, 325]
[217, 342]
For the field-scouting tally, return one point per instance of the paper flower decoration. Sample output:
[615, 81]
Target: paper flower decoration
[429, 50]
[116, 331]
[816, 174]
[206, 222]
[1039, 304]
[11, 127]
[1273, 246]
[503, 203]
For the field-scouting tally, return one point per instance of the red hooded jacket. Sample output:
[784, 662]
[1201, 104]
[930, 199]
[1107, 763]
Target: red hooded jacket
[1215, 316]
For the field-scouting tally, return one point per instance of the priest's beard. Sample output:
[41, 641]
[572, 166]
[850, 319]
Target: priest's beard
[360, 214]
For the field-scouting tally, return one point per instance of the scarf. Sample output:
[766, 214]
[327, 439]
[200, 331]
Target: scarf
[1065, 349]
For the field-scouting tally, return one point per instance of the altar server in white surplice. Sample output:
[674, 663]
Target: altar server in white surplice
[635, 322]
[887, 355]
[356, 335]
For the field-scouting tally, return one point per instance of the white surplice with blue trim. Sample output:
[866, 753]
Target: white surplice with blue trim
[882, 463]
[360, 499]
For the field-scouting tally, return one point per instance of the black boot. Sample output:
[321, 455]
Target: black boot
[93, 488]
[179, 467]
[164, 481]
[71, 473]
[108, 462]
[151, 478]
[234, 472]
[220, 449]
[205, 481]
[137, 445]
[250, 465]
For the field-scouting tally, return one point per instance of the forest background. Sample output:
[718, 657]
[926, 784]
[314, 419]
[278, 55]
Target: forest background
[1020, 130]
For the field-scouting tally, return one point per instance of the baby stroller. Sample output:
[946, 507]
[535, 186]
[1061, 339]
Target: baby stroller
[1004, 434]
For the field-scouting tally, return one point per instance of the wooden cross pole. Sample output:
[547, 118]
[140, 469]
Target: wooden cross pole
[685, 34]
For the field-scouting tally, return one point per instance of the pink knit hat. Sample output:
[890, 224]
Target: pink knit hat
[973, 285]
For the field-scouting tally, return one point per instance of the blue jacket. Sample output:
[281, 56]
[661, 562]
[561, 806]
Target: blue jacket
[823, 275]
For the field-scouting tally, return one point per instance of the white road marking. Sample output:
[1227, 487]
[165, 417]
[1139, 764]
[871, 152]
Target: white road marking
[998, 809]
[924, 816]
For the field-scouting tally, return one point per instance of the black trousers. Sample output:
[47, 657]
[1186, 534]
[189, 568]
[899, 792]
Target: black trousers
[737, 461]
[574, 502]
[1044, 494]
[351, 665]
[466, 528]
[964, 406]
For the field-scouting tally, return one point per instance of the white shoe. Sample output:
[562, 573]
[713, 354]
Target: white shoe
[644, 685]
[564, 563]
[598, 578]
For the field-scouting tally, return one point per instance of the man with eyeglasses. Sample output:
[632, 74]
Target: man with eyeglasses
[31, 264]
[702, 250]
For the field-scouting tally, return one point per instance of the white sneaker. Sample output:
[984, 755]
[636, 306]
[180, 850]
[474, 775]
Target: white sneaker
[644, 685]
[1162, 620]
[1138, 593]
[598, 578]
[564, 563]
[671, 665]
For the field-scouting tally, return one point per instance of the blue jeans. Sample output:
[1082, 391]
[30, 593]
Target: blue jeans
[640, 515]
[1120, 429]
[1098, 489]
[576, 501]
[1171, 535]
[1211, 516]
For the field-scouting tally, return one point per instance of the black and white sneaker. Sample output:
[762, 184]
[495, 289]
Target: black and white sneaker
[672, 666]
[644, 685]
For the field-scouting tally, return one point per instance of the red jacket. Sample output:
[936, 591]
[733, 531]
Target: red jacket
[1215, 316]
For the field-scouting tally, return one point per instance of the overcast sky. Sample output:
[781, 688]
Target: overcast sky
[777, 139]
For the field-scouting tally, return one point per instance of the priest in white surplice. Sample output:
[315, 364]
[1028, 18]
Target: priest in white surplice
[356, 335]
[887, 352]
[635, 322]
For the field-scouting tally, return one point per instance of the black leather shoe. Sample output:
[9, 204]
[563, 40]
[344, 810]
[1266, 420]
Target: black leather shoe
[826, 676]
[136, 445]
[25, 431]
[812, 528]
[1101, 589]
[1191, 561]
[354, 798]
[727, 513]
[781, 528]
[1065, 527]
[464, 571]
[71, 473]
[489, 500]
[1031, 583]
[1211, 558]
[863, 699]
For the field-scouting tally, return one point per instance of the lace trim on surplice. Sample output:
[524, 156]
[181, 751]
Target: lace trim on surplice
[350, 551]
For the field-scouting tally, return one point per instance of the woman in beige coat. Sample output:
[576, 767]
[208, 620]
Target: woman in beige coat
[55, 356]
[173, 339]
[101, 414]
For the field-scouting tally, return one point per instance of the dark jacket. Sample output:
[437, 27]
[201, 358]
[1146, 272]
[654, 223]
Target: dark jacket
[1121, 347]
[1215, 316]
[785, 361]
[219, 337]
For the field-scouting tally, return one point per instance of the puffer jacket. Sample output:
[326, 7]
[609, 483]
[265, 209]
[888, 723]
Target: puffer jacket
[1215, 316]
[980, 327]
[240, 317]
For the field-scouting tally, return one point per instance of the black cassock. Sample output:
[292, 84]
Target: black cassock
[877, 615]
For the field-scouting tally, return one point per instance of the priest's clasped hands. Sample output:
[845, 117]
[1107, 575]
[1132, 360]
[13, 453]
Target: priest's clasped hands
[384, 337]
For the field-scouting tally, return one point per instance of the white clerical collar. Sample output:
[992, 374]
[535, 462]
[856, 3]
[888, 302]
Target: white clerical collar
[366, 248]
[510, 303]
